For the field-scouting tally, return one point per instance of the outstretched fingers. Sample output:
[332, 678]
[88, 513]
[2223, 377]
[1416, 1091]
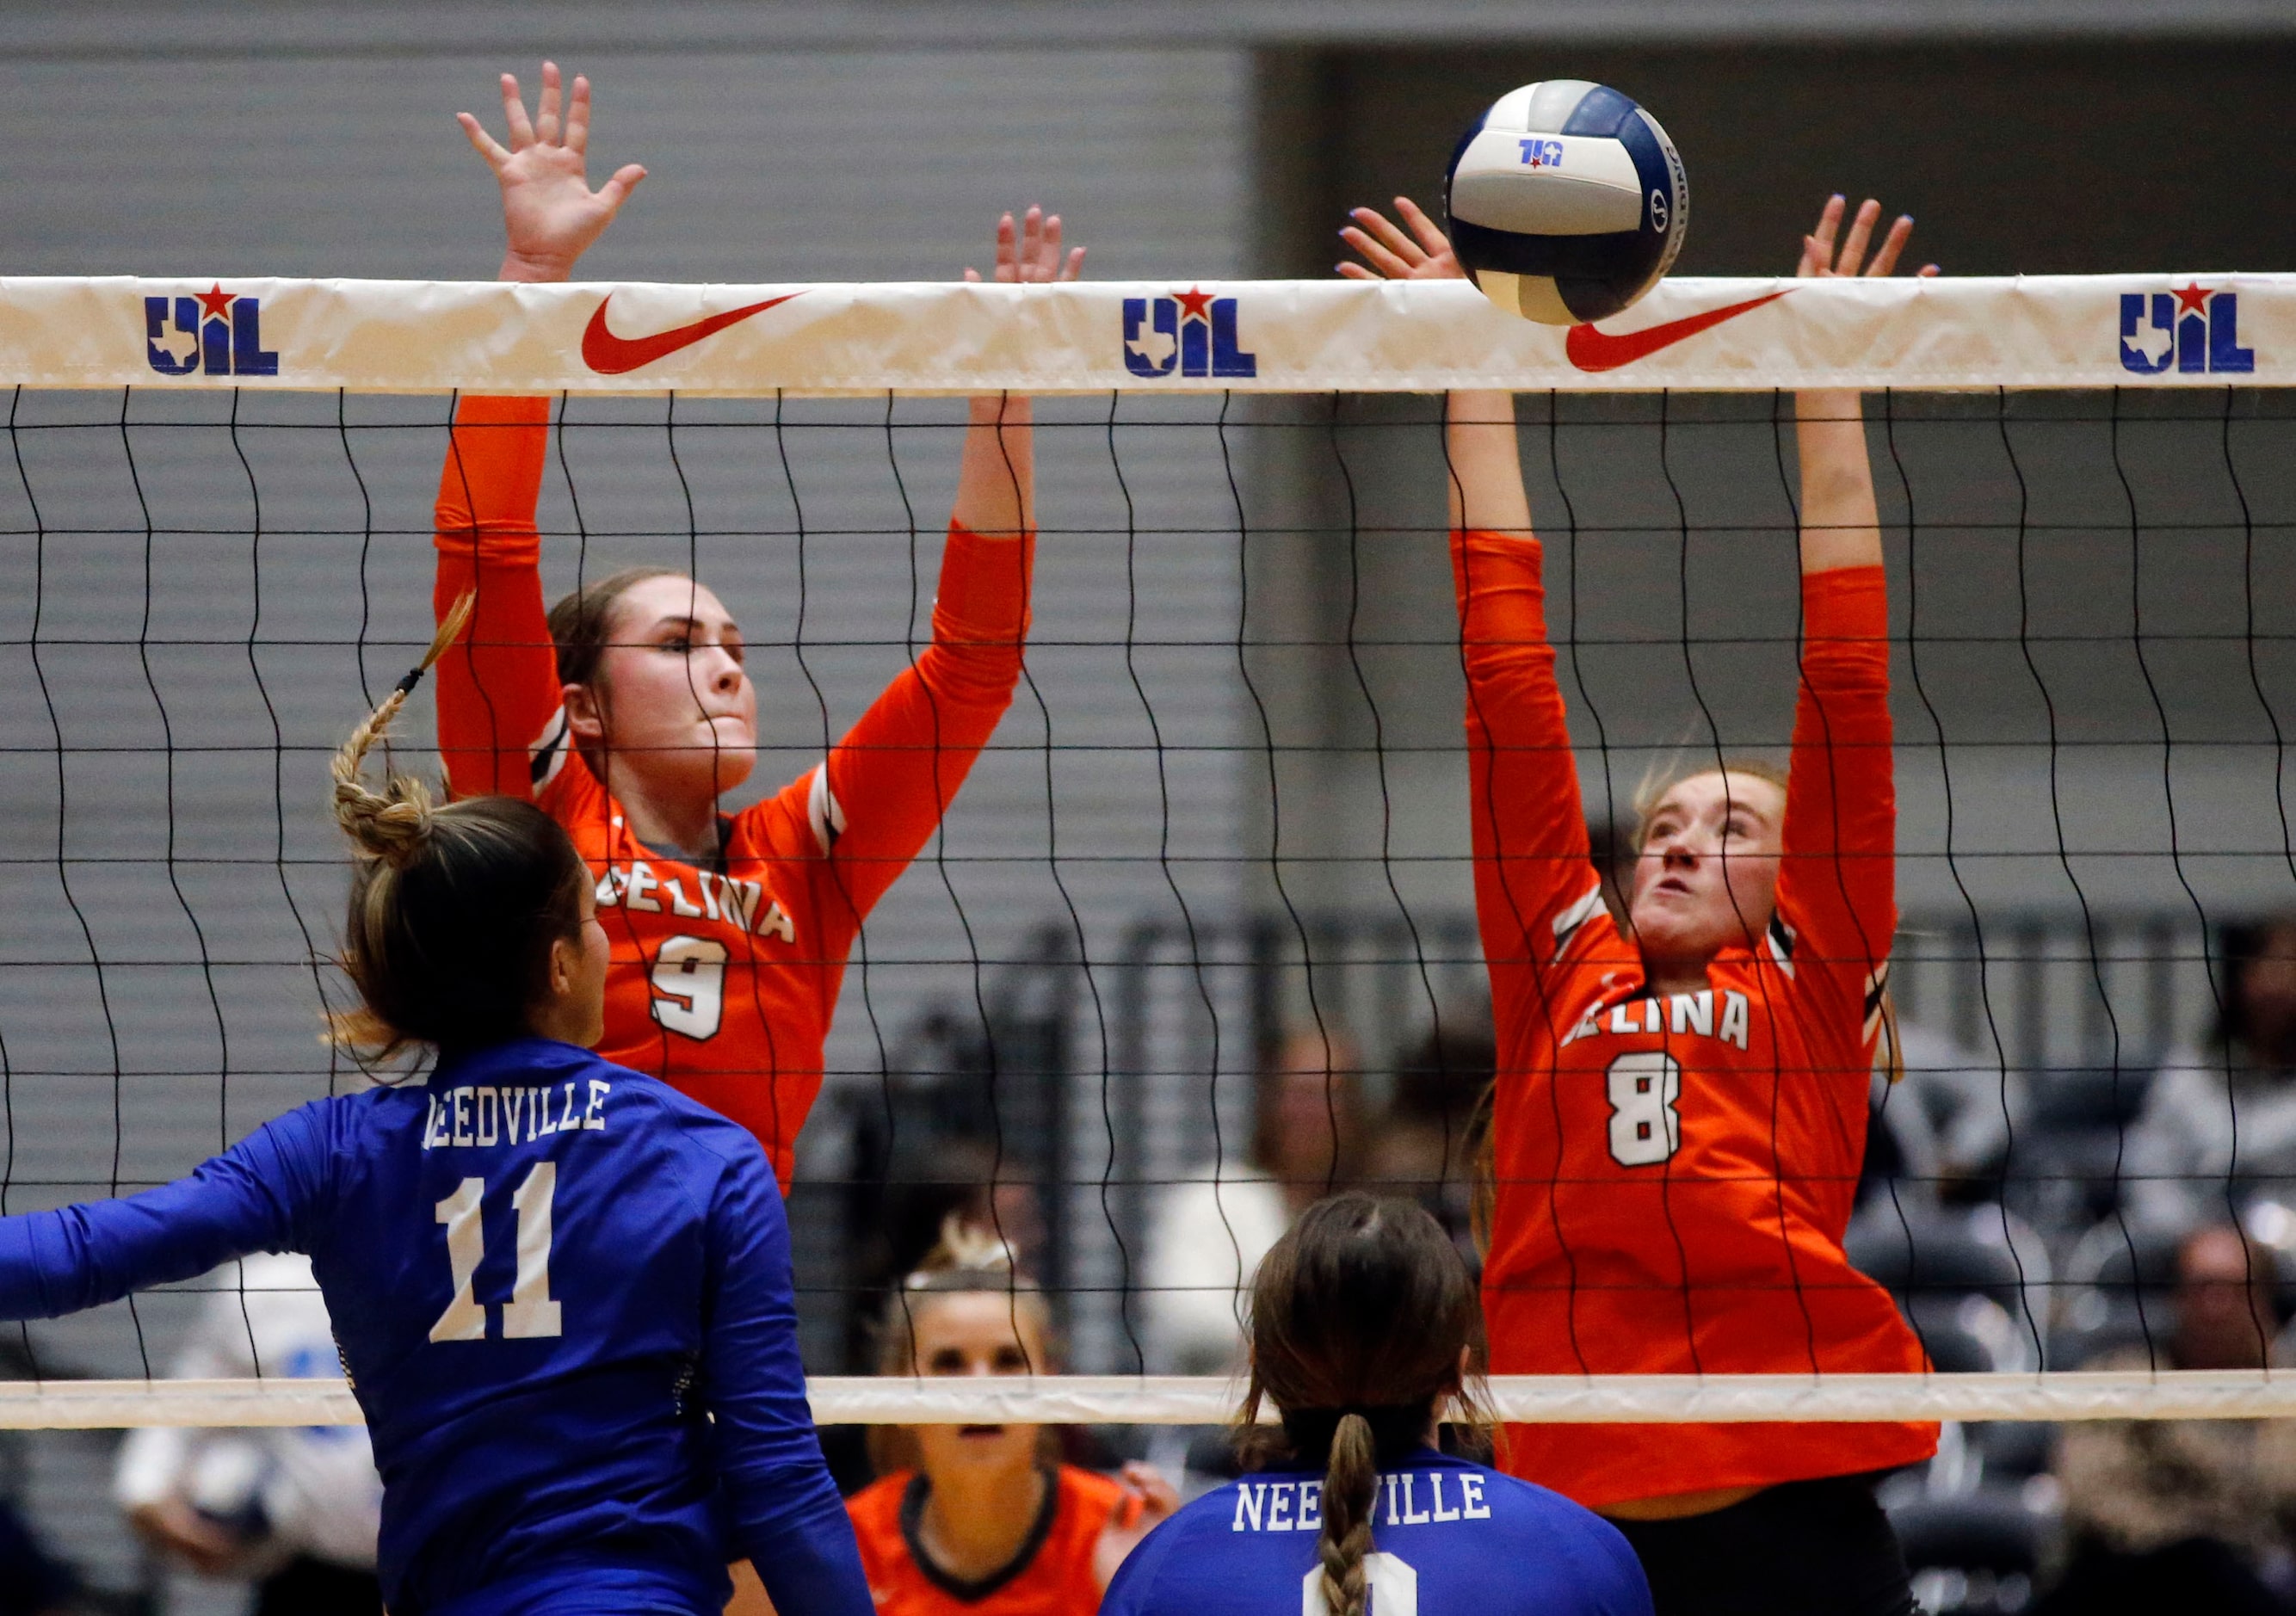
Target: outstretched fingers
[1032, 243]
[1431, 239]
[1852, 256]
[577, 117]
[484, 143]
[1385, 249]
[545, 121]
[1885, 256]
[522, 132]
[1817, 246]
[617, 190]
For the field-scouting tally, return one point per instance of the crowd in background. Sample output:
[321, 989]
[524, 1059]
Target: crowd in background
[2185, 1264]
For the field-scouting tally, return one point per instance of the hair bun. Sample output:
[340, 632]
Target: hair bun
[964, 1247]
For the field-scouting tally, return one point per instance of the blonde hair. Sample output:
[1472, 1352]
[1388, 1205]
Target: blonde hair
[968, 1260]
[1662, 779]
[453, 909]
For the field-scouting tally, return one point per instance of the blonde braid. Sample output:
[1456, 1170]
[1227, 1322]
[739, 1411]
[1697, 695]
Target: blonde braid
[394, 823]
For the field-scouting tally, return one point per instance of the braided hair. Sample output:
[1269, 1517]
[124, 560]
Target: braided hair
[1362, 1315]
[454, 906]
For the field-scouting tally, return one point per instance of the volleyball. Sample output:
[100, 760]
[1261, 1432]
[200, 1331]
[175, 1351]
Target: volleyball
[1566, 201]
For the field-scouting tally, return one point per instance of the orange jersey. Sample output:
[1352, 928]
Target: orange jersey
[1052, 1576]
[1673, 1177]
[723, 979]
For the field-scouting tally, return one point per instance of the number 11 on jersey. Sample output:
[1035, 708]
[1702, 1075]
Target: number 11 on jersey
[530, 1312]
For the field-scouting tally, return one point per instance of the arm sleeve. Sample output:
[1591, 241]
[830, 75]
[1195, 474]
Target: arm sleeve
[498, 689]
[1837, 883]
[255, 1197]
[787, 1518]
[1535, 883]
[876, 801]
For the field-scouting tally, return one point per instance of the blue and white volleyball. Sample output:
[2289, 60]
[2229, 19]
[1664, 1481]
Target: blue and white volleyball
[1566, 201]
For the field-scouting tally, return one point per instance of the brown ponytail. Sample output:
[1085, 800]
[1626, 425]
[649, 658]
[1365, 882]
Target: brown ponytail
[1350, 1494]
[453, 909]
[1362, 1315]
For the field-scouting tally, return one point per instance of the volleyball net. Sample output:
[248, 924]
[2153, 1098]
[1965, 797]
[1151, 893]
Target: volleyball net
[1228, 811]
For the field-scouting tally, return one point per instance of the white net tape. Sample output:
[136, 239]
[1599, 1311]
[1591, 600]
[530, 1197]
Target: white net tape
[1250, 336]
[1209, 1400]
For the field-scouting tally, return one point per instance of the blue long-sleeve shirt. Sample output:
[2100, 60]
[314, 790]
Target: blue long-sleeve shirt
[547, 1275]
[1446, 1536]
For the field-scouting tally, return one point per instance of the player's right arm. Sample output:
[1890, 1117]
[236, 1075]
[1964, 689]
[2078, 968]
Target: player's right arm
[498, 691]
[1534, 879]
[257, 1196]
[788, 1519]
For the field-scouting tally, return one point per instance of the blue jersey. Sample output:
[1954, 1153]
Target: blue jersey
[547, 1275]
[1448, 1539]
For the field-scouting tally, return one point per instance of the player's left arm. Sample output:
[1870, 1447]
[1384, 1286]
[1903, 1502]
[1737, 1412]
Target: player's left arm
[255, 1197]
[1837, 883]
[879, 797]
[787, 1518]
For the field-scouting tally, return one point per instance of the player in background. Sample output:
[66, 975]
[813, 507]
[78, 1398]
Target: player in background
[984, 1520]
[1364, 1325]
[1680, 1108]
[625, 711]
[294, 1510]
[561, 1289]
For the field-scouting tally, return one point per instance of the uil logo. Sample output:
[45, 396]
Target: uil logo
[1540, 152]
[2193, 328]
[1191, 332]
[214, 332]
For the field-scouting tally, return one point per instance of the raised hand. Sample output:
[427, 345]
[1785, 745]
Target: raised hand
[1157, 1502]
[549, 214]
[1027, 254]
[1821, 259]
[1032, 255]
[1841, 524]
[1390, 255]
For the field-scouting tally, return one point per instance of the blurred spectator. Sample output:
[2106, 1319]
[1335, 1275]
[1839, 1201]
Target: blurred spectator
[295, 1510]
[30, 1583]
[2185, 1514]
[1425, 1146]
[1941, 1132]
[1205, 1238]
[2235, 1101]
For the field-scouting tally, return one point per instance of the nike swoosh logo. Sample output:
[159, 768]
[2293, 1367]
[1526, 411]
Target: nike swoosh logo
[1594, 351]
[611, 355]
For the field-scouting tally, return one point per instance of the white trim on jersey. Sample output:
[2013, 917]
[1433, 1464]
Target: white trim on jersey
[1780, 937]
[823, 811]
[1568, 924]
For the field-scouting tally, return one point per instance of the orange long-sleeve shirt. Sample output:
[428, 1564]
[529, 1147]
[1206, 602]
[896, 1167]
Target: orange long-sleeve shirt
[1053, 1574]
[1674, 1177]
[723, 979]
